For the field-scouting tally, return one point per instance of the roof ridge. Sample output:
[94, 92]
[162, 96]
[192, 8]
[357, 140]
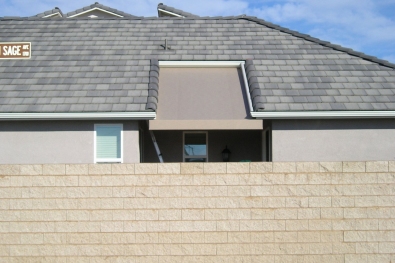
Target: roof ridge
[96, 4]
[319, 41]
[174, 10]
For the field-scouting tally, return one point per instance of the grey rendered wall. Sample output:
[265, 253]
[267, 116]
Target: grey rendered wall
[333, 140]
[58, 142]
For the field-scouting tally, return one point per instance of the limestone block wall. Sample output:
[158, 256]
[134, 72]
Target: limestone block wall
[198, 212]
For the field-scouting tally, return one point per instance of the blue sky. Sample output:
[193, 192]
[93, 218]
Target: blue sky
[363, 25]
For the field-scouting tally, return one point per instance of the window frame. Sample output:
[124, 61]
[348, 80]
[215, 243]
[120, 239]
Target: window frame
[194, 156]
[107, 160]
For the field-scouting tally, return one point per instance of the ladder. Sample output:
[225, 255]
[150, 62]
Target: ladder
[155, 145]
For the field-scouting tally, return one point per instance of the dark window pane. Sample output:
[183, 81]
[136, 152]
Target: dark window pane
[195, 144]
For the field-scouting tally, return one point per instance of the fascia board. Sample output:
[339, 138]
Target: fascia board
[170, 13]
[93, 9]
[79, 116]
[197, 64]
[323, 114]
[51, 15]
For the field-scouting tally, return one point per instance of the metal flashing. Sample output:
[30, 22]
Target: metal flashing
[197, 64]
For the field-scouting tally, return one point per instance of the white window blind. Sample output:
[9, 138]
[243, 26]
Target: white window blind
[108, 143]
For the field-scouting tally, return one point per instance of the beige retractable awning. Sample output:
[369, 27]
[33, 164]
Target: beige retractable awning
[202, 99]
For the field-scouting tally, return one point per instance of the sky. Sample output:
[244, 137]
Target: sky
[367, 26]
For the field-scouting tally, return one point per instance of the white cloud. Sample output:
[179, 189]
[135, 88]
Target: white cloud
[358, 24]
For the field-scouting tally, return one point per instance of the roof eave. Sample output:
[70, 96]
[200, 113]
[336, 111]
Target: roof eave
[323, 114]
[79, 116]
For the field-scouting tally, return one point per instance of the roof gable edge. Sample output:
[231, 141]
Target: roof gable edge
[320, 42]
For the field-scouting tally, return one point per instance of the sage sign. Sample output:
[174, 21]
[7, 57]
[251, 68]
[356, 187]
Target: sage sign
[11, 50]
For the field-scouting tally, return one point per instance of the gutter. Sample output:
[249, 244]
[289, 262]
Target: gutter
[79, 116]
[323, 114]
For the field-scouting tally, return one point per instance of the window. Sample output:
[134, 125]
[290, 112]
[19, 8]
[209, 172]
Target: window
[108, 143]
[195, 147]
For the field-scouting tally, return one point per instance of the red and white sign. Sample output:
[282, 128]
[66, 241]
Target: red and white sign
[19, 50]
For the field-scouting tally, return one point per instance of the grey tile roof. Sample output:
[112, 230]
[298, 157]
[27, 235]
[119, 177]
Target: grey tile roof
[173, 10]
[97, 5]
[85, 65]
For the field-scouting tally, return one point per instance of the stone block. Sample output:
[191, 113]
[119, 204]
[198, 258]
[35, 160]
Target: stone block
[113, 180]
[237, 168]
[169, 214]
[216, 237]
[296, 178]
[354, 167]
[170, 238]
[331, 167]
[297, 225]
[387, 224]
[367, 224]
[344, 224]
[66, 180]
[320, 224]
[309, 236]
[261, 167]
[366, 178]
[236, 214]
[332, 213]
[386, 178]
[192, 214]
[344, 248]
[332, 236]
[31, 169]
[285, 237]
[369, 248]
[122, 168]
[320, 248]
[169, 168]
[284, 167]
[391, 166]
[320, 202]
[386, 247]
[9, 169]
[320, 178]
[76, 169]
[214, 168]
[355, 212]
[146, 168]
[99, 168]
[377, 166]
[191, 168]
[286, 214]
[307, 167]
[54, 169]
[216, 214]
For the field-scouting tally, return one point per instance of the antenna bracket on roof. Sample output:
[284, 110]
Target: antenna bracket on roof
[165, 46]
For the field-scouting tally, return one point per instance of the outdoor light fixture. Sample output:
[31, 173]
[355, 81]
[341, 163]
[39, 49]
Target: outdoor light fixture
[226, 154]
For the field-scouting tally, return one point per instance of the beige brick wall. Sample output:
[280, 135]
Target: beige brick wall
[235, 212]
